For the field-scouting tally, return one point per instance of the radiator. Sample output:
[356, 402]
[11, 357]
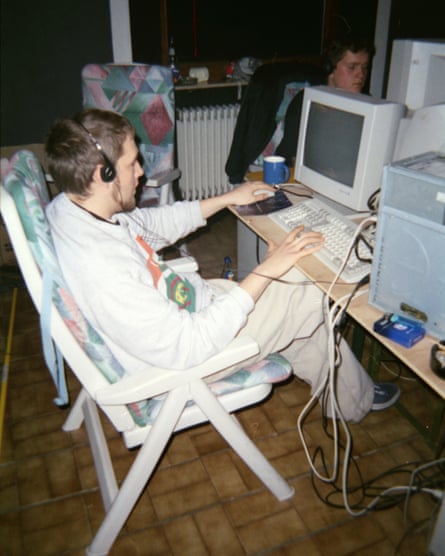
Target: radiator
[204, 135]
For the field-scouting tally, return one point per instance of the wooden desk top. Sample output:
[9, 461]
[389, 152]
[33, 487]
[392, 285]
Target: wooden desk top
[416, 358]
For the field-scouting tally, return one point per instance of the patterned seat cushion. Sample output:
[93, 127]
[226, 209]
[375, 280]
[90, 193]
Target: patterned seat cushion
[26, 184]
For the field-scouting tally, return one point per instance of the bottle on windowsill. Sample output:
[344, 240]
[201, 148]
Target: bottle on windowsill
[172, 61]
[229, 71]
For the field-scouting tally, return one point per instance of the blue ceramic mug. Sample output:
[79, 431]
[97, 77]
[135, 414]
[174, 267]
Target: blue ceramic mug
[275, 170]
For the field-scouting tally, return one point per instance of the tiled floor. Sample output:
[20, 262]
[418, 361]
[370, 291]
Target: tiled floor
[202, 500]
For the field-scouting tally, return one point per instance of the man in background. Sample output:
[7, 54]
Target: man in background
[346, 64]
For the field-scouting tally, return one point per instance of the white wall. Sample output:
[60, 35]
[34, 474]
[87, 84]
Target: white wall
[121, 31]
[381, 45]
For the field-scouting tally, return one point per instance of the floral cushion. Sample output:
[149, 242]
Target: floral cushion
[26, 183]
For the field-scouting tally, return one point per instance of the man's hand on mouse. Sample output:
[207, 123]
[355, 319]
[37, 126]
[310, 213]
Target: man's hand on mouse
[250, 192]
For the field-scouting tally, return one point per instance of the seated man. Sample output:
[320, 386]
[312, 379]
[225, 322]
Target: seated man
[346, 66]
[150, 316]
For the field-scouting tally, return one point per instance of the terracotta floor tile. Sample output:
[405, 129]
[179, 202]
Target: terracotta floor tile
[48, 437]
[170, 479]
[382, 548]
[141, 543]
[62, 473]
[249, 478]
[7, 453]
[224, 475]
[143, 514]
[299, 547]
[216, 530]
[344, 539]
[32, 480]
[253, 507]
[391, 430]
[294, 392]
[184, 500]
[391, 522]
[271, 531]
[414, 450]
[11, 542]
[26, 405]
[256, 423]
[26, 371]
[313, 511]
[64, 537]
[9, 496]
[291, 465]
[184, 537]
[280, 415]
[278, 445]
[208, 441]
[362, 441]
[85, 467]
[181, 448]
[44, 516]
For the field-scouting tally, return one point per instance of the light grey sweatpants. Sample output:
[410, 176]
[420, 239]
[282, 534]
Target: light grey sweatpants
[289, 319]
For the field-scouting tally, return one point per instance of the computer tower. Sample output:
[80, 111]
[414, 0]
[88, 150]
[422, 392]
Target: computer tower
[408, 268]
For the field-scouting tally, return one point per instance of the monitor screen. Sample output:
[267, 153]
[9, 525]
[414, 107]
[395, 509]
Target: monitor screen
[338, 160]
[345, 139]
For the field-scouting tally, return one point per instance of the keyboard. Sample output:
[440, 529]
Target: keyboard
[338, 232]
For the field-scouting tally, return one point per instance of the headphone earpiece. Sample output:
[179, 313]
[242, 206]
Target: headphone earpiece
[108, 171]
[327, 66]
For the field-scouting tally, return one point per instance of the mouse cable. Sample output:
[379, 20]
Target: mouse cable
[289, 192]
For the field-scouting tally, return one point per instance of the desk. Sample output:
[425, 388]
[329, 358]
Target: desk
[415, 358]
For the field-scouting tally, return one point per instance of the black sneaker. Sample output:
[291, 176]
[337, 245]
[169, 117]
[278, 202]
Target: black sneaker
[386, 394]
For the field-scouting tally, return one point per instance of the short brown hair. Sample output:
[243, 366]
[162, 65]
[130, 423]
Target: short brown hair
[71, 149]
[337, 48]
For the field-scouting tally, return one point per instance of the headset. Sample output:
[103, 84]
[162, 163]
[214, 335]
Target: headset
[327, 63]
[108, 171]
[327, 66]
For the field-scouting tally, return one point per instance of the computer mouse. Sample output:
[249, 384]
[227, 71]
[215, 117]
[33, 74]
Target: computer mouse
[264, 192]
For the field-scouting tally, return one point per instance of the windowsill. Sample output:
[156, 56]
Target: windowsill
[211, 85]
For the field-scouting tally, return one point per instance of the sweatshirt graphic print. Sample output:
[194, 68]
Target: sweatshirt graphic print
[171, 284]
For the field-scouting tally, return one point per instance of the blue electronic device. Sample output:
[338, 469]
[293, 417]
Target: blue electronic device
[404, 331]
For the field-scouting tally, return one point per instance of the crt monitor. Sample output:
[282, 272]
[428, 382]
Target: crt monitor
[345, 140]
[417, 73]
[423, 131]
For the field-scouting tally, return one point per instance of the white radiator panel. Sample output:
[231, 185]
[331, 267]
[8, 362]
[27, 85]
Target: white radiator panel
[204, 135]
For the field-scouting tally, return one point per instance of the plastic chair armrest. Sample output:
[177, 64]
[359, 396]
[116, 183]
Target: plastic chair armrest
[158, 381]
[183, 264]
[161, 178]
